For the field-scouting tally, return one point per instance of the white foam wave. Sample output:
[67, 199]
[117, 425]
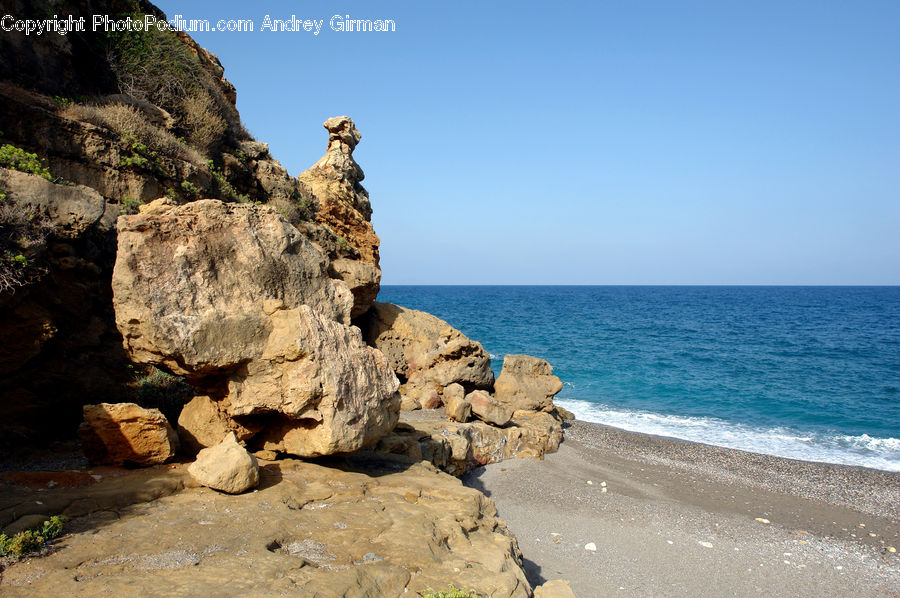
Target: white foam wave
[864, 450]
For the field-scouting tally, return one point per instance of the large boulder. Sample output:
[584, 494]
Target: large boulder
[227, 467]
[426, 353]
[488, 409]
[334, 394]
[526, 383]
[238, 301]
[120, 433]
[189, 282]
[203, 422]
[343, 206]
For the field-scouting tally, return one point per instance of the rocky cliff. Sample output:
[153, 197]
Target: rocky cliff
[167, 288]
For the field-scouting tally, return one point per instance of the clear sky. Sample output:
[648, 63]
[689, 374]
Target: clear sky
[604, 142]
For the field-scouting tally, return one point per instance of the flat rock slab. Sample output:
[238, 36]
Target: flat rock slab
[309, 530]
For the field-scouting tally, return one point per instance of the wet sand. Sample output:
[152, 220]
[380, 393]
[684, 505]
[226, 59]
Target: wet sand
[672, 518]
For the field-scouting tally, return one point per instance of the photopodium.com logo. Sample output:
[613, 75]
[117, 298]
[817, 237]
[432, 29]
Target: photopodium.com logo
[107, 24]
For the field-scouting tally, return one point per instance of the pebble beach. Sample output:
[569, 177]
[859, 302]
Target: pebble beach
[626, 514]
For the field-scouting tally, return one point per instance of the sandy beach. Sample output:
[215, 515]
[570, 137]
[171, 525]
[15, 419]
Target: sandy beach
[671, 518]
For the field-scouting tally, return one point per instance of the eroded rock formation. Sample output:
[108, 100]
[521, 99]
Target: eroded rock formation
[237, 300]
[126, 433]
[427, 354]
[527, 383]
[343, 206]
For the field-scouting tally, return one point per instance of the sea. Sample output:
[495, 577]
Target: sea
[809, 373]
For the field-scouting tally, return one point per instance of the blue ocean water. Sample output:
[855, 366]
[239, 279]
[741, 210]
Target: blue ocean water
[810, 373]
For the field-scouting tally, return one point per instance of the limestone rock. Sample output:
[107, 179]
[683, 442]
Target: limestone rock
[226, 466]
[71, 208]
[456, 406]
[426, 353]
[120, 433]
[189, 282]
[488, 409]
[204, 422]
[330, 392]
[344, 207]
[526, 382]
[458, 447]
[555, 588]
[309, 530]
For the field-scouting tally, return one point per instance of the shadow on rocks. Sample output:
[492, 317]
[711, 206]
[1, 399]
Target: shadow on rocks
[472, 479]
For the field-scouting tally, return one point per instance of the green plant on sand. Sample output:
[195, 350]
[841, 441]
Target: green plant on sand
[32, 540]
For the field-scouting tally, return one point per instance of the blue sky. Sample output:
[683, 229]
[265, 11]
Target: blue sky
[664, 142]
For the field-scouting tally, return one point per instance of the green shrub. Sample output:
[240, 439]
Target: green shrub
[160, 390]
[130, 205]
[225, 188]
[191, 191]
[16, 158]
[452, 592]
[32, 540]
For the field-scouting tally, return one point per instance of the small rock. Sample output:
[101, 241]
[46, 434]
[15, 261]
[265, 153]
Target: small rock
[762, 520]
[227, 467]
[556, 588]
[602, 490]
[590, 483]
[891, 549]
[603, 484]
[705, 544]
[590, 546]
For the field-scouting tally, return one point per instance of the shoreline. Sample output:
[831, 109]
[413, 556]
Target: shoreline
[676, 517]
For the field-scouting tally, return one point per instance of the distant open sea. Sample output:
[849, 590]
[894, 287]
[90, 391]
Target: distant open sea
[809, 373]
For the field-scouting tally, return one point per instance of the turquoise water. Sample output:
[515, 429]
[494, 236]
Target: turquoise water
[805, 372]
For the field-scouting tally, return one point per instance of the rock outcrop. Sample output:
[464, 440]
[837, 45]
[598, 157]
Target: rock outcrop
[488, 409]
[458, 447]
[527, 383]
[343, 206]
[310, 530]
[118, 433]
[227, 467]
[427, 354]
[237, 300]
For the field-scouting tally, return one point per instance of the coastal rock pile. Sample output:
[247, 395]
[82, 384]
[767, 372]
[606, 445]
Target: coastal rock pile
[427, 354]
[239, 302]
[344, 207]
[527, 383]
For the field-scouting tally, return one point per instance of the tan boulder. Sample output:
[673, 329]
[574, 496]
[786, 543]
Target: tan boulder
[344, 207]
[456, 406]
[72, 208]
[555, 588]
[334, 394]
[488, 409]
[227, 467]
[189, 282]
[527, 383]
[120, 433]
[204, 422]
[426, 353]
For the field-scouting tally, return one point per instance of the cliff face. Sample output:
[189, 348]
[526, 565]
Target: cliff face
[108, 123]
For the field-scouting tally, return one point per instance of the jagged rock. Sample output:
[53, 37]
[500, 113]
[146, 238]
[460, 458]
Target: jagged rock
[564, 413]
[234, 298]
[204, 422]
[555, 588]
[189, 282]
[488, 409]
[126, 433]
[71, 208]
[456, 406]
[344, 207]
[527, 383]
[426, 353]
[335, 394]
[226, 466]
[458, 447]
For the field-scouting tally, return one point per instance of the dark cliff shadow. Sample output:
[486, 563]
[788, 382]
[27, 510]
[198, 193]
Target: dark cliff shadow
[371, 463]
[472, 479]
[533, 573]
